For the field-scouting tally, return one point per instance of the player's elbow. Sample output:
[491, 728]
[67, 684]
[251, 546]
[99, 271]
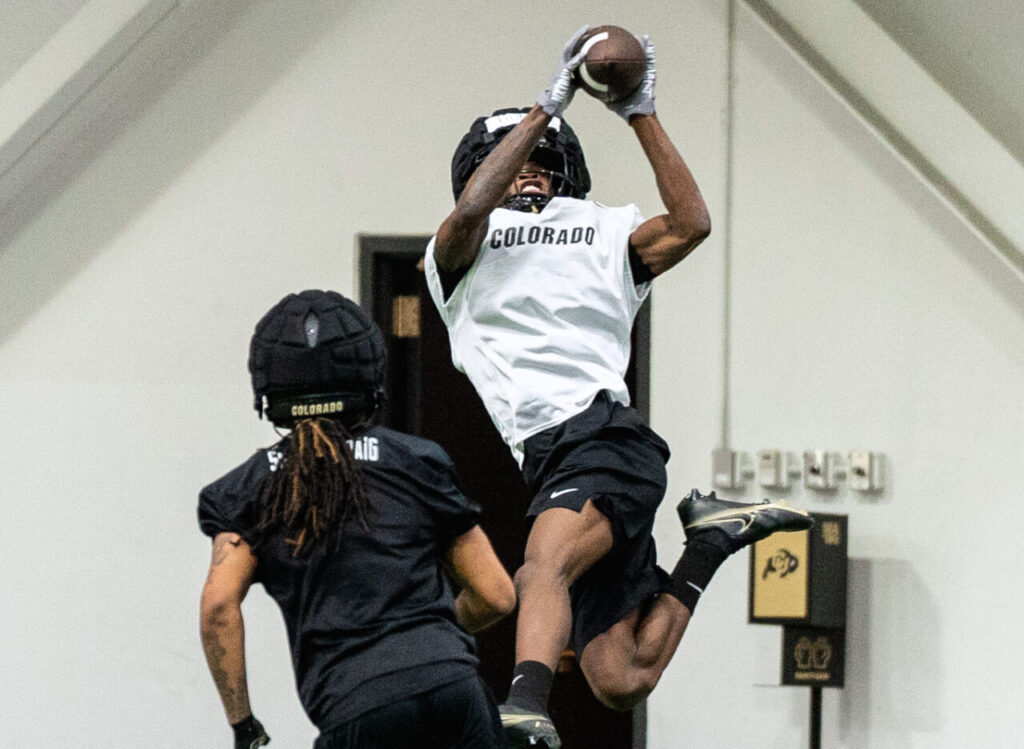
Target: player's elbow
[687, 236]
[479, 610]
[674, 245]
[218, 609]
[502, 600]
[702, 229]
[498, 599]
[694, 230]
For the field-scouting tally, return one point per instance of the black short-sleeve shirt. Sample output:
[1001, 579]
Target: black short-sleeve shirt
[374, 620]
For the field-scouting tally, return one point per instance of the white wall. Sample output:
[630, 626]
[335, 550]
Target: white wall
[863, 316]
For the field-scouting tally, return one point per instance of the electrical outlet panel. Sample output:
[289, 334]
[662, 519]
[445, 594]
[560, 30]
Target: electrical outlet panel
[866, 471]
[822, 470]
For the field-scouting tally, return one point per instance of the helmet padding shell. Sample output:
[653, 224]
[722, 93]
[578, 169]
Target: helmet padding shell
[559, 151]
[313, 344]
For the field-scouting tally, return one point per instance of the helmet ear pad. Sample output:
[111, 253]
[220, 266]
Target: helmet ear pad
[343, 353]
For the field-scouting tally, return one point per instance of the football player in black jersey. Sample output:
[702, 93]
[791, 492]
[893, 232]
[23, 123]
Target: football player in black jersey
[357, 532]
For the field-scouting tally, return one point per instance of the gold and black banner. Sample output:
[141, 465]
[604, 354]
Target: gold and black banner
[800, 577]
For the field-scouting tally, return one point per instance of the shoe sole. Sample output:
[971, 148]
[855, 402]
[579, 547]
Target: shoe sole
[517, 721]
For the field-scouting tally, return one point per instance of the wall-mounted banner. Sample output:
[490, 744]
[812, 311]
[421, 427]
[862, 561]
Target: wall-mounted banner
[800, 577]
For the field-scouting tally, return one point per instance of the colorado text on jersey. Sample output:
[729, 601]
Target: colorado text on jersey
[519, 235]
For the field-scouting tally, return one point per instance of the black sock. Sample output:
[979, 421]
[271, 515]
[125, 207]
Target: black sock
[700, 560]
[531, 685]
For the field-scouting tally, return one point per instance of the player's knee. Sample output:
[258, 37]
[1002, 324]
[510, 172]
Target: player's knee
[615, 681]
[624, 692]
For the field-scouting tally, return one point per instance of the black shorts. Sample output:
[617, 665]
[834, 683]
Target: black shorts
[606, 454]
[459, 715]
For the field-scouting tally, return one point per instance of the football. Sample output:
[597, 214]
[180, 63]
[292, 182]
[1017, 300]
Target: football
[613, 64]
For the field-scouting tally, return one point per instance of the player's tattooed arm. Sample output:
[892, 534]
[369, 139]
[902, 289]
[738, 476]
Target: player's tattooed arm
[232, 686]
[222, 545]
[232, 566]
[459, 237]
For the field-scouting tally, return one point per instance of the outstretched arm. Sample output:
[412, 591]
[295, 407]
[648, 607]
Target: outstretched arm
[459, 237]
[223, 632]
[487, 594]
[664, 240]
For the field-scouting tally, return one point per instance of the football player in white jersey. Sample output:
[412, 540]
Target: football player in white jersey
[539, 288]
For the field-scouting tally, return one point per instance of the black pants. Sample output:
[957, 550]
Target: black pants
[460, 715]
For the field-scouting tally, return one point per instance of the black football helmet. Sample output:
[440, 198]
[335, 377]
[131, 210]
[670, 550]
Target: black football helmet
[316, 353]
[558, 151]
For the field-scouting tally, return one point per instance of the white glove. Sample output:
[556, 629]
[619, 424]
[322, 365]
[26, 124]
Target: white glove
[640, 101]
[556, 97]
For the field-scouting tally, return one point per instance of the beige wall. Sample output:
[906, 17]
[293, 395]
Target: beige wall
[863, 316]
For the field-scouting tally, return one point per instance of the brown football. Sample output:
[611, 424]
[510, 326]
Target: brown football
[614, 63]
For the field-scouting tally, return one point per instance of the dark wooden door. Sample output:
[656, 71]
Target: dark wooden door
[429, 397]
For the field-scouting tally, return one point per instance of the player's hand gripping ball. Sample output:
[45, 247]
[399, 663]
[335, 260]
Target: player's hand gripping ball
[613, 64]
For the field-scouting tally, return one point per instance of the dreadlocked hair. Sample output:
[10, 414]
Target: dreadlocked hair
[316, 489]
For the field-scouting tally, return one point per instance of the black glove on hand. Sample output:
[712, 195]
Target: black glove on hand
[249, 734]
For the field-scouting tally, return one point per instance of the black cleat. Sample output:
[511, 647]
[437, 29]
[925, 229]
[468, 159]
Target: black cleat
[528, 728]
[742, 524]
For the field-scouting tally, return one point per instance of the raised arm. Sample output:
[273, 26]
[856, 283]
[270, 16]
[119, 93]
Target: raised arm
[664, 240]
[487, 595]
[460, 234]
[459, 237]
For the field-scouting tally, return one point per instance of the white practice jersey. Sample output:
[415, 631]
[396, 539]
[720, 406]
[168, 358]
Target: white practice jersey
[541, 321]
